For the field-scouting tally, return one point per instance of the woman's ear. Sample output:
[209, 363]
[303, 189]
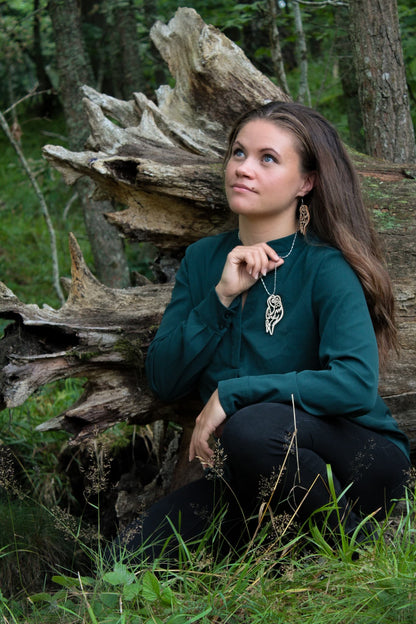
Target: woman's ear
[308, 183]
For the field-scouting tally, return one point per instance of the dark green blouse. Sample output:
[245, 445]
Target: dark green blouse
[323, 352]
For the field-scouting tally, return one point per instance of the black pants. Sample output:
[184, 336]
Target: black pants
[259, 444]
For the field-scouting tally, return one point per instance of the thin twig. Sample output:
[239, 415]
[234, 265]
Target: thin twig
[295, 433]
[68, 205]
[264, 508]
[32, 93]
[44, 207]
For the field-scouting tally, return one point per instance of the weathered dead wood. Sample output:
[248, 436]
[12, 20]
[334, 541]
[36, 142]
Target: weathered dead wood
[163, 161]
[100, 333]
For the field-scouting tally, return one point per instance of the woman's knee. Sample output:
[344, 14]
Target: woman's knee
[251, 431]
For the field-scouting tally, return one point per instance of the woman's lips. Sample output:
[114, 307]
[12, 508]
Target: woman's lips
[242, 187]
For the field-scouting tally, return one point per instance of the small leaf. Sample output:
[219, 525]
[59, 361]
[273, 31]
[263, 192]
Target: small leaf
[130, 592]
[119, 576]
[69, 581]
[168, 597]
[109, 600]
[42, 597]
[151, 587]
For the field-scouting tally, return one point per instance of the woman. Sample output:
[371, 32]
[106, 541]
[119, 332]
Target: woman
[280, 326]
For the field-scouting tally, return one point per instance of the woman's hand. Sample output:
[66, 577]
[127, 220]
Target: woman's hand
[243, 267]
[209, 420]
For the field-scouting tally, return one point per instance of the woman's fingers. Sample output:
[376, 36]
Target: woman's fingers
[243, 267]
[199, 447]
[211, 417]
[258, 262]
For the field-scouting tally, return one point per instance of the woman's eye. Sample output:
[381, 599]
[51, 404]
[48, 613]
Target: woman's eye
[268, 158]
[238, 152]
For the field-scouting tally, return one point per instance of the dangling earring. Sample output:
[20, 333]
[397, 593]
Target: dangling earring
[304, 217]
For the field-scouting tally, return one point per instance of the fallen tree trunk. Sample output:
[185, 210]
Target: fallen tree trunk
[163, 161]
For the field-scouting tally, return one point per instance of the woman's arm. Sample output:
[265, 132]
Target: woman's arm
[195, 322]
[187, 338]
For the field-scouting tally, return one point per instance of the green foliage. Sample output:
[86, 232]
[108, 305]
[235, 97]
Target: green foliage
[318, 581]
[224, 15]
[25, 258]
[37, 454]
[17, 54]
[31, 542]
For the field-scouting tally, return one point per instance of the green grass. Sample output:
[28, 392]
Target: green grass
[36, 453]
[271, 583]
[56, 573]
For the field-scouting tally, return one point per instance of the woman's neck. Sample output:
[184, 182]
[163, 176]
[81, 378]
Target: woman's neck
[252, 233]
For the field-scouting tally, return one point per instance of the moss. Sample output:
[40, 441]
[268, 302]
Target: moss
[132, 351]
[387, 199]
[86, 356]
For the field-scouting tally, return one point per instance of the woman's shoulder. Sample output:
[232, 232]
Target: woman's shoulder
[321, 250]
[329, 266]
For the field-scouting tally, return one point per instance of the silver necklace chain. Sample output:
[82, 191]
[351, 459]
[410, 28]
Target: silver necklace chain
[274, 309]
[275, 270]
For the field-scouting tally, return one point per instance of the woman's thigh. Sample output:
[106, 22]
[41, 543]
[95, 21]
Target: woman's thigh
[262, 438]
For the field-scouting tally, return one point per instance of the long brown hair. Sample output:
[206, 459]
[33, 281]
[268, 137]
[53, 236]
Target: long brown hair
[338, 214]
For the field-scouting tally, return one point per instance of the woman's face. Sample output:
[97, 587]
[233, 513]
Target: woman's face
[263, 177]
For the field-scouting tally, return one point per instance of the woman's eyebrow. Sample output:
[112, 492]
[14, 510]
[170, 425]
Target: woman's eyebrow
[238, 143]
[270, 149]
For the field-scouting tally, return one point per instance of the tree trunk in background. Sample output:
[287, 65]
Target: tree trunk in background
[131, 66]
[304, 95]
[122, 53]
[158, 73]
[348, 78]
[73, 67]
[74, 71]
[275, 48]
[45, 85]
[380, 70]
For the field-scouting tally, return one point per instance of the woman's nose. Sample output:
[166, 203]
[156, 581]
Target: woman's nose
[245, 168]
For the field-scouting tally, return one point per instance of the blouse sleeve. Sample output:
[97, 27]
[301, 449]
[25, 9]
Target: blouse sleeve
[347, 380]
[187, 338]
